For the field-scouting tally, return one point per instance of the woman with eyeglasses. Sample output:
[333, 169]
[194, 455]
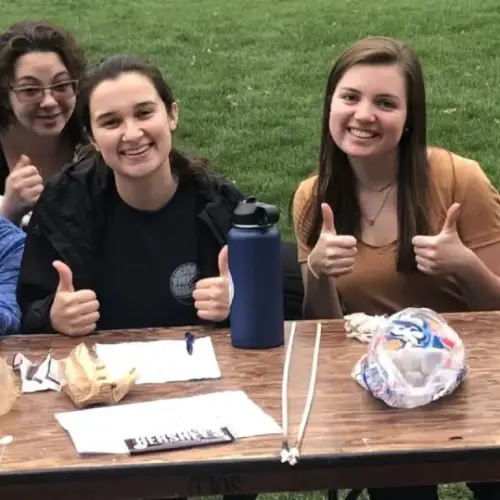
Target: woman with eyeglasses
[40, 65]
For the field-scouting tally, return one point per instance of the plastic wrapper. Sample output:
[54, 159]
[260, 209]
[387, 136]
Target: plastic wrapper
[413, 358]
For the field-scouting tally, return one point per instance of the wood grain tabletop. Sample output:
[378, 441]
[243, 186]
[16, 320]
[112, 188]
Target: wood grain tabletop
[348, 430]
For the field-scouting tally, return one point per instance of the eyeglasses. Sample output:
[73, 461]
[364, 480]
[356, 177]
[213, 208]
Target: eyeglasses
[32, 94]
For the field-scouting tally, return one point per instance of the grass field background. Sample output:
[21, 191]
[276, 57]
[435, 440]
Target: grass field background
[250, 77]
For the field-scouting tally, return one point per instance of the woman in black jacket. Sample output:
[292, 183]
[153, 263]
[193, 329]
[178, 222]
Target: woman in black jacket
[133, 236]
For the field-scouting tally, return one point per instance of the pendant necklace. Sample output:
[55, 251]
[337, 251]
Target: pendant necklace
[371, 220]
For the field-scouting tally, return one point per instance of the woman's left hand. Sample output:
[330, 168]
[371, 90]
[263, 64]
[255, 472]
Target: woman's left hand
[444, 253]
[211, 295]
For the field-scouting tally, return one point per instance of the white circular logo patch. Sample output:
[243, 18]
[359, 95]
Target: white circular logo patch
[183, 282]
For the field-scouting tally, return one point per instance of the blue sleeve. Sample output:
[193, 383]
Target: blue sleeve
[11, 251]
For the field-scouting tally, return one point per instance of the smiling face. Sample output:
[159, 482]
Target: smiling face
[44, 112]
[368, 110]
[131, 126]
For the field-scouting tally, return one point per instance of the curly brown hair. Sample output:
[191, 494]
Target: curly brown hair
[37, 36]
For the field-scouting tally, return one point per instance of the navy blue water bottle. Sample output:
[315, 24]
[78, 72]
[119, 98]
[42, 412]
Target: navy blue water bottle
[254, 250]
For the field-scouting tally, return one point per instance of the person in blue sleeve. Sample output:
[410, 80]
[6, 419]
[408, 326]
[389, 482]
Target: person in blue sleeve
[11, 252]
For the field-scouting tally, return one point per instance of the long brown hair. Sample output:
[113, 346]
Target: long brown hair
[336, 182]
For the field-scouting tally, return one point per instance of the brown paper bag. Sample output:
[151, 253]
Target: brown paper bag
[87, 381]
[9, 391]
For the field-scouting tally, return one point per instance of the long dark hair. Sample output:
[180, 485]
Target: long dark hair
[38, 36]
[182, 164]
[336, 182]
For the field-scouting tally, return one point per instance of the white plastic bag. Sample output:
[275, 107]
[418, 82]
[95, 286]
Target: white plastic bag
[412, 360]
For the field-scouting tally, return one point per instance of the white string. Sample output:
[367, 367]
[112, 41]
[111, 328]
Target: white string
[284, 394]
[295, 451]
[5, 440]
[312, 385]
[291, 455]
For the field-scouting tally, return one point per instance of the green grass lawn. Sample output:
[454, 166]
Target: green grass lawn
[250, 76]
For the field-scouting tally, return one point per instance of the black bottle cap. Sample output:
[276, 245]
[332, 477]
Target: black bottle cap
[250, 212]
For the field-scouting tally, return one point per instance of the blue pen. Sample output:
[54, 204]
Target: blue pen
[189, 342]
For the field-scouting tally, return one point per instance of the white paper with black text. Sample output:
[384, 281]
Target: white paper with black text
[105, 429]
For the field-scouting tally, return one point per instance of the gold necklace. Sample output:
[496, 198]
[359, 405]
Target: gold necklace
[371, 220]
[379, 190]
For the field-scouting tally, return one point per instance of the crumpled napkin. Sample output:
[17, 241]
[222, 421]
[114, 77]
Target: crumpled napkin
[87, 381]
[362, 326]
[9, 391]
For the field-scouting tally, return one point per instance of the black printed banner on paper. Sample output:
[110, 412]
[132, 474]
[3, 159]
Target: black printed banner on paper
[177, 440]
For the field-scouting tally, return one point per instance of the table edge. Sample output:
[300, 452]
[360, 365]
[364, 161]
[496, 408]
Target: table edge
[217, 467]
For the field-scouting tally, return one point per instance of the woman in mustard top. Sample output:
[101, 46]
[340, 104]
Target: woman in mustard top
[388, 222]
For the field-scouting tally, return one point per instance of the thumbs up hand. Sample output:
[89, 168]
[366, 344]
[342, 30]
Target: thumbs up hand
[73, 313]
[444, 253]
[211, 295]
[333, 255]
[23, 187]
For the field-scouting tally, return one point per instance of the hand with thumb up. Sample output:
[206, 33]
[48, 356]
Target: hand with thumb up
[443, 253]
[73, 313]
[23, 187]
[211, 295]
[333, 255]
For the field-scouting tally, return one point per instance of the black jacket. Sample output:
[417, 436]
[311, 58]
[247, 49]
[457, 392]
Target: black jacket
[68, 223]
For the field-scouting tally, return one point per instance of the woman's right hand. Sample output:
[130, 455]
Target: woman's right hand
[73, 313]
[333, 255]
[23, 187]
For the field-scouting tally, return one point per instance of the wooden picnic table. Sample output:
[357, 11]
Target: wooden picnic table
[352, 440]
